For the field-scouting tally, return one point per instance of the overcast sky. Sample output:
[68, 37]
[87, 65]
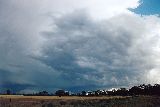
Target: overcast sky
[78, 44]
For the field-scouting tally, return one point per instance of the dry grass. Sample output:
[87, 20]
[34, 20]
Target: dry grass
[75, 101]
[59, 98]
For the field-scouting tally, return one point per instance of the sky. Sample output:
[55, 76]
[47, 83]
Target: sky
[78, 44]
[148, 7]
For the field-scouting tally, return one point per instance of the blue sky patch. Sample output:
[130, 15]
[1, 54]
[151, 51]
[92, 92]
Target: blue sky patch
[148, 7]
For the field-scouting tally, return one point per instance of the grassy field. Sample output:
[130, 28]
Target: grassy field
[75, 101]
[57, 97]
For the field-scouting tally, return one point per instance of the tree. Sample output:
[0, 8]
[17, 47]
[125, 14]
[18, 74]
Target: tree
[43, 93]
[61, 93]
[8, 92]
[83, 93]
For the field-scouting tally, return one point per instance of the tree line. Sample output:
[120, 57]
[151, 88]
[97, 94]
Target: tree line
[133, 91]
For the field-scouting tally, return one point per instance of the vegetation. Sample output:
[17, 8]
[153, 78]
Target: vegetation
[137, 96]
[135, 90]
[71, 101]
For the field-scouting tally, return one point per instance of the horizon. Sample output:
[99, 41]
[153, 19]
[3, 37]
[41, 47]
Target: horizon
[77, 93]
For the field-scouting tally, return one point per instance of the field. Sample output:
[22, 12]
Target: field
[75, 101]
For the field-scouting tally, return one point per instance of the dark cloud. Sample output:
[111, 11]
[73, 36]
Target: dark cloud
[76, 51]
[88, 52]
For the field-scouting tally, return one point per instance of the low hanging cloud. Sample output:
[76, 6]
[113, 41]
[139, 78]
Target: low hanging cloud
[119, 51]
[74, 49]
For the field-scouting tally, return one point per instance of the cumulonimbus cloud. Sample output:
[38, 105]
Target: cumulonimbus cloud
[117, 51]
[53, 41]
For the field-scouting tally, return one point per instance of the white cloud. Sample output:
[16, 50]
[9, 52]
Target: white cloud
[98, 9]
[153, 76]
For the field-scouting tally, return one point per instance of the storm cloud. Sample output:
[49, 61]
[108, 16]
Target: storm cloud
[117, 51]
[71, 47]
